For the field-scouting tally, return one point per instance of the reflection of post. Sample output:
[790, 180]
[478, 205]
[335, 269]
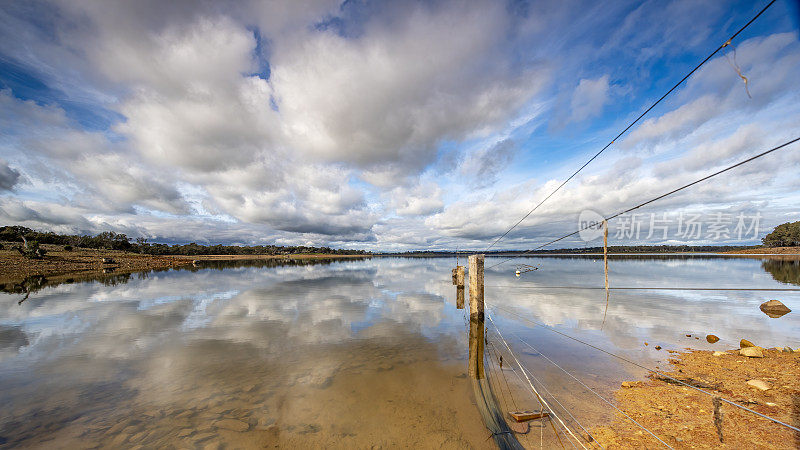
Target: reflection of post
[476, 342]
[476, 286]
[460, 297]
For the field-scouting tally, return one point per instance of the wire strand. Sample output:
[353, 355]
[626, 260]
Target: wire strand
[648, 288]
[596, 223]
[588, 388]
[633, 123]
[529, 381]
[574, 419]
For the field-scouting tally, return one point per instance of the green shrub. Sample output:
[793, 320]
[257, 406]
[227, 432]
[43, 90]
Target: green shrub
[784, 235]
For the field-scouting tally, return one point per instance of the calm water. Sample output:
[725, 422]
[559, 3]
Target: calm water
[350, 353]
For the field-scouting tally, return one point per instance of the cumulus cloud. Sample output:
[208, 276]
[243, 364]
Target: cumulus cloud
[589, 98]
[8, 176]
[369, 124]
[483, 166]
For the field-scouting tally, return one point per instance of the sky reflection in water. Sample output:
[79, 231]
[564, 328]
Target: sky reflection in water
[300, 355]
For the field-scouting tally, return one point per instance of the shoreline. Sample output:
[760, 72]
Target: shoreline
[88, 263]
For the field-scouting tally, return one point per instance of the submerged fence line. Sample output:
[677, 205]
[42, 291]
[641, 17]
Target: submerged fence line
[622, 358]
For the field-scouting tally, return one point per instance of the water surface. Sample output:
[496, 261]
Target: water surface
[349, 353]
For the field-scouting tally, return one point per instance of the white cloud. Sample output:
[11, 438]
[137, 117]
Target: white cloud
[589, 98]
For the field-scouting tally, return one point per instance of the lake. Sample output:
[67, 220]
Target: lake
[355, 353]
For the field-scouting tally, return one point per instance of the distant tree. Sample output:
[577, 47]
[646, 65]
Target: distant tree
[784, 235]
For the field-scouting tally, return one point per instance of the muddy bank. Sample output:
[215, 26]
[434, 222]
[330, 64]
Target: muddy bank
[62, 265]
[684, 417]
[766, 251]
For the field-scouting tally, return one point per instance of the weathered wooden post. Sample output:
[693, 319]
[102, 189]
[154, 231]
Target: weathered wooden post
[476, 286]
[476, 325]
[458, 280]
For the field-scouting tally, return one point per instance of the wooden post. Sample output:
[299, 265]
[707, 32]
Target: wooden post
[476, 344]
[476, 286]
[458, 276]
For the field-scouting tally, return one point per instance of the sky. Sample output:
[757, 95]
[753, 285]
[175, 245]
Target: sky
[396, 125]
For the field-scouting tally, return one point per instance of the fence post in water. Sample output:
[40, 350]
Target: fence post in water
[476, 345]
[459, 282]
[476, 286]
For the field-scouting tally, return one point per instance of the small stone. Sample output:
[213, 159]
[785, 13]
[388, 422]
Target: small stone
[752, 352]
[232, 424]
[630, 384]
[646, 343]
[688, 335]
[720, 353]
[759, 384]
[774, 309]
[787, 349]
[712, 339]
[185, 432]
[658, 347]
[745, 343]
[771, 404]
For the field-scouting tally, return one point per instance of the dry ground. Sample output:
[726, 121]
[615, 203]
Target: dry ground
[684, 417]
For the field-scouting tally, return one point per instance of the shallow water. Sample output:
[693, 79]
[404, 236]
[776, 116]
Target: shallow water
[351, 353]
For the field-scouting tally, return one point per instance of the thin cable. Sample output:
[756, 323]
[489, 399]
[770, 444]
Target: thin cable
[560, 404]
[551, 411]
[588, 388]
[647, 288]
[529, 381]
[498, 363]
[632, 123]
[547, 327]
[595, 223]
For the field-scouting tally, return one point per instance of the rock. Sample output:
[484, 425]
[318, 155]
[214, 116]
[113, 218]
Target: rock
[752, 352]
[712, 339]
[185, 432]
[658, 347]
[787, 349]
[232, 424]
[630, 384]
[774, 309]
[759, 384]
[720, 353]
[688, 335]
[745, 343]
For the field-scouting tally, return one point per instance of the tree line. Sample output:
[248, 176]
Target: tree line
[110, 240]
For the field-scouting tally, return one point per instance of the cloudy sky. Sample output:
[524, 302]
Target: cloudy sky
[393, 125]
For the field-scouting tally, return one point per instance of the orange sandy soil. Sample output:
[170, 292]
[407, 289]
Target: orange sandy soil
[60, 264]
[767, 250]
[684, 417]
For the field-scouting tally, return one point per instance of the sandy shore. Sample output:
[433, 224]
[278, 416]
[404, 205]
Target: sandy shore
[684, 417]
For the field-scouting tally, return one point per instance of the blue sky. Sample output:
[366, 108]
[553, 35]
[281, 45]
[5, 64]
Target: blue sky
[391, 125]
